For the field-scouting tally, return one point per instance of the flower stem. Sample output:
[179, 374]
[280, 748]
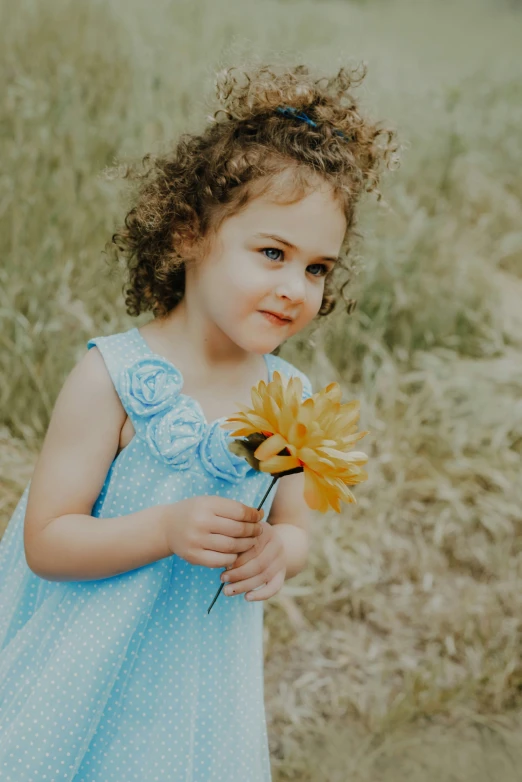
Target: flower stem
[258, 508]
[267, 492]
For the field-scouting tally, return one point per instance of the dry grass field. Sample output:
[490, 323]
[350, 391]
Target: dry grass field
[396, 655]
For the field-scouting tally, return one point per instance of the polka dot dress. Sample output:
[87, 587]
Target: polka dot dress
[127, 678]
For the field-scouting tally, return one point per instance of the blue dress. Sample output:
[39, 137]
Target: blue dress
[127, 678]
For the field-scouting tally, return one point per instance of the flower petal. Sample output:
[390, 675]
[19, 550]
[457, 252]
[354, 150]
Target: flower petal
[270, 447]
[344, 456]
[313, 494]
[252, 419]
[279, 464]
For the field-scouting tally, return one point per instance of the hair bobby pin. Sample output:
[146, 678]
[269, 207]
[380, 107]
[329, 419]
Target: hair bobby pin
[290, 111]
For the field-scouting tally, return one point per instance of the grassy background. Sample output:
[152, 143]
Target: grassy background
[396, 654]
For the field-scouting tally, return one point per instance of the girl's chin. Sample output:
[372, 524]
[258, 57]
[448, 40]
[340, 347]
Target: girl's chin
[261, 343]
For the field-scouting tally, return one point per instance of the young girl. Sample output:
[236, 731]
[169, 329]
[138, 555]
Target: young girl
[111, 669]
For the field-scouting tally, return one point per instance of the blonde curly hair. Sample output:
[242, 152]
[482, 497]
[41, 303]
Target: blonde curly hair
[248, 148]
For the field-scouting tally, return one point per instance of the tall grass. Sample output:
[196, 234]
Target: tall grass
[396, 653]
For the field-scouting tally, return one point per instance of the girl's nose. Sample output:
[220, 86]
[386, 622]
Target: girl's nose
[293, 287]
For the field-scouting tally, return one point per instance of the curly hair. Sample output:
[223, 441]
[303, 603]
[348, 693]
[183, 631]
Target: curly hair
[248, 148]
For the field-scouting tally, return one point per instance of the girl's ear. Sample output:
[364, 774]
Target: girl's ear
[195, 247]
[186, 243]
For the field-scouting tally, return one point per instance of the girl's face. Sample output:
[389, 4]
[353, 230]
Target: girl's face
[270, 257]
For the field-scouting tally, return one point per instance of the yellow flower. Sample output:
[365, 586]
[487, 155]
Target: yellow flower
[315, 436]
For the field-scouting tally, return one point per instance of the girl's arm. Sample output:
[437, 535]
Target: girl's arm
[291, 518]
[62, 540]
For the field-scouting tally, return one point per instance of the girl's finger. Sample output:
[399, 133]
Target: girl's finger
[215, 559]
[244, 585]
[226, 545]
[243, 570]
[248, 555]
[270, 589]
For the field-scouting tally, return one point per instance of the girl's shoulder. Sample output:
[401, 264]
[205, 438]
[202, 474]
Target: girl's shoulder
[290, 370]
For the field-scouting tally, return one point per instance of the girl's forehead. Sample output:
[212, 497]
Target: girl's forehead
[315, 205]
[298, 207]
[316, 220]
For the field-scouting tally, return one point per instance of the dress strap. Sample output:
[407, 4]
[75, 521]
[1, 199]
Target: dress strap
[145, 383]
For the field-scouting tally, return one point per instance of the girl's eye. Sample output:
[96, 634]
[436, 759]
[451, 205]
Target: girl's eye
[323, 268]
[272, 250]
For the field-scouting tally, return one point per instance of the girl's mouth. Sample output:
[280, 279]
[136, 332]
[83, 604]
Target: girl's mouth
[275, 319]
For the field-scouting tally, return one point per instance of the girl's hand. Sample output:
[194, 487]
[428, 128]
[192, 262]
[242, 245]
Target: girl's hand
[210, 530]
[263, 563]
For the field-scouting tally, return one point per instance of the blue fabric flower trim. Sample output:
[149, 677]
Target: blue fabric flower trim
[150, 385]
[175, 435]
[217, 459]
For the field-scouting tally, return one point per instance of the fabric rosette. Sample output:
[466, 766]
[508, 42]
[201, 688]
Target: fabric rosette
[175, 435]
[150, 385]
[218, 459]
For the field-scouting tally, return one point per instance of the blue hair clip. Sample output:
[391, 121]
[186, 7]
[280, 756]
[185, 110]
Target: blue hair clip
[290, 111]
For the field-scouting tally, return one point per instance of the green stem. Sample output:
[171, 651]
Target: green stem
[259, 508]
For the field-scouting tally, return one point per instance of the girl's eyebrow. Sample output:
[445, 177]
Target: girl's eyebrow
[293, 247]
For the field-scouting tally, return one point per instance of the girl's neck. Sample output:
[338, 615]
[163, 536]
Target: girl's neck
[200, 351]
